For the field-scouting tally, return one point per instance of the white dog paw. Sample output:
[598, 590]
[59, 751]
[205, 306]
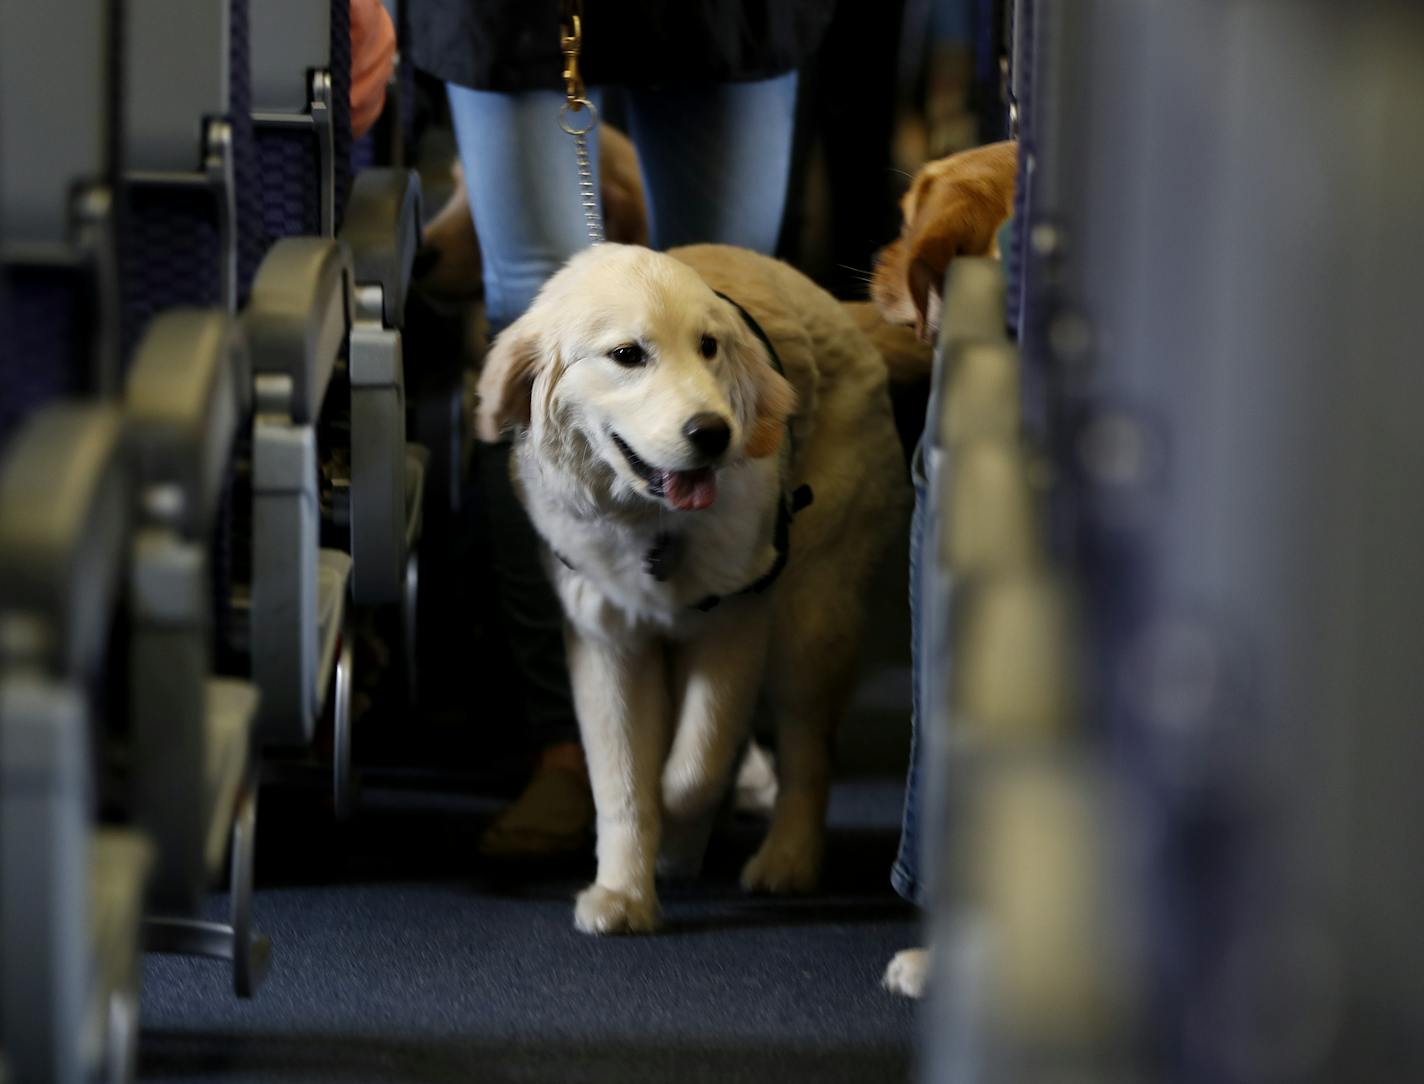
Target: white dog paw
[782, 868]
[756, 782]
[907, 972]
[600, 910]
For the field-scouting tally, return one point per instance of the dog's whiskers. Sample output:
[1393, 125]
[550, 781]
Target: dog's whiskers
[860, 273]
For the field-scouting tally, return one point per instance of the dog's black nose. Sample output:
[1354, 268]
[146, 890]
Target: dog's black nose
[708, 433]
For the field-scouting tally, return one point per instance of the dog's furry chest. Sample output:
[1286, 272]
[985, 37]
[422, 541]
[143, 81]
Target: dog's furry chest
[620, 571]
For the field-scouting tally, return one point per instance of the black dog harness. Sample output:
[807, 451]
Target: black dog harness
[660, 560]
[790, 503]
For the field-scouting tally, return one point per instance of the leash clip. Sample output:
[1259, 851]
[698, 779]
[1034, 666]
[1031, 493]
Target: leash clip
[571, 44]
[578, 103]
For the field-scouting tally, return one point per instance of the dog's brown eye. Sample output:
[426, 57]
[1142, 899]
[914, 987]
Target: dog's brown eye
[708, 346]
[630, 354]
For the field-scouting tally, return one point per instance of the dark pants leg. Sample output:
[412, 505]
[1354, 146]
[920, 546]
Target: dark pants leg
[532, 618]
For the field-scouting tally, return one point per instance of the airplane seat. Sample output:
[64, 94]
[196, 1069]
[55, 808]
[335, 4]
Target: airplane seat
[194, 778]
[374, 488]
[1003, 770]
[70, 940]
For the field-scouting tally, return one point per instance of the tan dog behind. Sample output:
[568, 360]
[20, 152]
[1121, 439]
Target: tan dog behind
[954, 207]
[613, 381]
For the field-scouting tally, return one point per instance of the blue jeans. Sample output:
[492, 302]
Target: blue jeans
[715, 162]
[926, 799]
[905, 874]
[928, 659]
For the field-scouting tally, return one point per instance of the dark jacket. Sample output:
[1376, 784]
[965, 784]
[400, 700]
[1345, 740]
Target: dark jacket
[514, 44]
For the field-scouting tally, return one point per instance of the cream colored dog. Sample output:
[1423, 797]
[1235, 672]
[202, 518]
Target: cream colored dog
[660, 450]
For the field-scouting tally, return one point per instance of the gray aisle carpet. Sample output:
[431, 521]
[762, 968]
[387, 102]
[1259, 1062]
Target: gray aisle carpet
[398, 956]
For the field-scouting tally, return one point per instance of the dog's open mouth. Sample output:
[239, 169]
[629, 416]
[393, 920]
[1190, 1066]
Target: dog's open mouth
[688, 490]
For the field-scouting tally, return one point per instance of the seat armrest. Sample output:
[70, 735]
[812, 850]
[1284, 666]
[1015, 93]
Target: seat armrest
[120, 860]
[188, 390]
[230, 720]
[382, 229]
[981, 397]
[974, 300]
[973, 316]
[297, 319]
[45, 796]
[64, 516]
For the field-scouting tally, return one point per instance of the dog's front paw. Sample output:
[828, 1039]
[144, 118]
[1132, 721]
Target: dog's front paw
[907, 972]
[602, 910]
[782, 867]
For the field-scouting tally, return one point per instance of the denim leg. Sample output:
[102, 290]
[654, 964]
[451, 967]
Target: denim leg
[905, 873]
[522, 181]
[716, 160]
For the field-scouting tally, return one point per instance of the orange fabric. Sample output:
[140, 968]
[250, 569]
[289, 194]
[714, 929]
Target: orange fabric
[373, 59]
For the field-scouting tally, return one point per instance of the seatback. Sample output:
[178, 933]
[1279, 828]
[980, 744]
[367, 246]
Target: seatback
[180, 237]
[58, 166]
[301, 85]
[193, 231]
[1238, 189]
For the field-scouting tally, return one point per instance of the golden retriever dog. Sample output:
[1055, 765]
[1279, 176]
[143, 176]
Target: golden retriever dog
[703, 438]
[954, 207]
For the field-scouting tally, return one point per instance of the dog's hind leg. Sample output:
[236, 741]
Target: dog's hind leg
[620, 692]
[716, 677]
[810, 678]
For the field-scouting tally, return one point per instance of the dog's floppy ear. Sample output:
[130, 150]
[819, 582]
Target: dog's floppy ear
[924, 277]
[507, 382]
[958, 213]
[775, 403]
[772, 396]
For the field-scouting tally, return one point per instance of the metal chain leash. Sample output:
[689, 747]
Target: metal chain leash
[577, 102]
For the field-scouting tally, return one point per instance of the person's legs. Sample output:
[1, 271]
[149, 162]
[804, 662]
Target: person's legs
[522, 181]
[716, 160]
[905, 873]
[523, 185]
[908, 970]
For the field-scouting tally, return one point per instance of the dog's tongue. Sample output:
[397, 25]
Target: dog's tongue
[690, 490]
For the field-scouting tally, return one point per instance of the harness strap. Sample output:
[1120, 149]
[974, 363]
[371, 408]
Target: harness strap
[756, 329]
[781, 541]
[760, 333]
